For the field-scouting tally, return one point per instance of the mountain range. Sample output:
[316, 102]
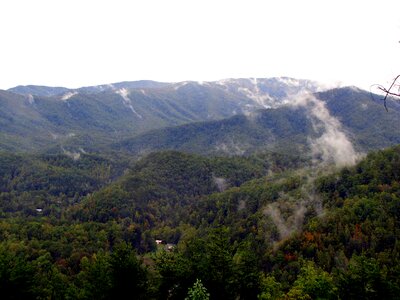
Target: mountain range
[231, 116]
[238, 189]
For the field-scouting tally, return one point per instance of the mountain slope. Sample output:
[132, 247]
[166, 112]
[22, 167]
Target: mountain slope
[21, 126]
[93, 116]
[345, 114]
[363, 115]
[51, 182]
[234, 136]
[290, 234]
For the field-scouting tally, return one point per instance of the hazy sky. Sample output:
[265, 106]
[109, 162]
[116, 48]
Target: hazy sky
[82, 42]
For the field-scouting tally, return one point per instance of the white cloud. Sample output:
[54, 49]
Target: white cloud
[31, 99]
[333, 145]
[68, 95]
[221, 183]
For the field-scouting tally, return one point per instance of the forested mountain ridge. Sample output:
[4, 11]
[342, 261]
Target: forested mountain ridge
[235, 116]
[57, 91]
[354, 112]
[290, 234]
[90, 117]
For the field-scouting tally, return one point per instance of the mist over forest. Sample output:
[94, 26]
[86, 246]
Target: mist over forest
[267, 188]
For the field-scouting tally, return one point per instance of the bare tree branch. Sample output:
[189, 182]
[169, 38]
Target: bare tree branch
[389, 92]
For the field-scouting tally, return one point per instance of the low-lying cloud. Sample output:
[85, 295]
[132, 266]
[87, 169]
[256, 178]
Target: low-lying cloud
[221, 183]
[333, 145]
[289, 225]
[330, 146]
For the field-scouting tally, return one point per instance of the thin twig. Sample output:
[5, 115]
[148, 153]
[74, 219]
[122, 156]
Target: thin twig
[388, 91]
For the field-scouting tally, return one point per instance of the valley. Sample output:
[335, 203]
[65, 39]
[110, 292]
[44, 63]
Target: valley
[270, 188]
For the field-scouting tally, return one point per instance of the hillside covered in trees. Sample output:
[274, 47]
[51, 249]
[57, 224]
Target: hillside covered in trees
[234, 189]
[267, 226]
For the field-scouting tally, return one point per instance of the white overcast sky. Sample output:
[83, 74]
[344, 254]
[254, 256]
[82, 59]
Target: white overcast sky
[82, 42]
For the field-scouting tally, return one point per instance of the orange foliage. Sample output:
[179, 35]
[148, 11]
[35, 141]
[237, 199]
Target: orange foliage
[384, 187]
[357, 233]
[290, 257]
[309, 236]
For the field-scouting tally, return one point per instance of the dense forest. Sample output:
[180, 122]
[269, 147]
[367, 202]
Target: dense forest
[174, 225]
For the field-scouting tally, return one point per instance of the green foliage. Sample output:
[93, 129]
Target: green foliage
[15, 275]
[228, 271]
[99, 242]
[273, 129]
[270, 288]
[365, 279]
[198, 292]
[313, 283]
[128, 275]
[50, 182]
[95, 278]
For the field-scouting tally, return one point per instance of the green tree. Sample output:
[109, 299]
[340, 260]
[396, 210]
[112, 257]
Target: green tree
[198, 292]
[129, 277]
[15, 276]
[363, 280]
[270, 288]
[49, 282]
[313, 283]
[96, 277]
